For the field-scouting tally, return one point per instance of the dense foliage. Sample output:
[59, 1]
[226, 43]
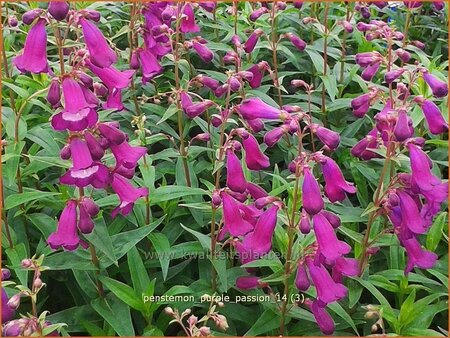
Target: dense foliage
[236, 168]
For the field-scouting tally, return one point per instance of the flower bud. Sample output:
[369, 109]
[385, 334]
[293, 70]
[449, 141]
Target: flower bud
[168, 310]
[58, 9]
[30, 16]
[12, 21]
[6, 274]
[14, 301]
[221, 322]
[205, 331]
[37, 283]
[192, 320]
[26, 263]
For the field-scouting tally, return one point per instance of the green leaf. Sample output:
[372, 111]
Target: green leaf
[435, 233]
[15, 256]
[267, 322]
[204, 240]
[116, 313]
[28, 196]
[407, 309]
[101, 239]
[172, 192]
[162, 247]
[138, 271]
[123, 292]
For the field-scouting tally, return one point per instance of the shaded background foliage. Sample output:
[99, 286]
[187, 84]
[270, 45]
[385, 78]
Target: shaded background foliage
[413, 305]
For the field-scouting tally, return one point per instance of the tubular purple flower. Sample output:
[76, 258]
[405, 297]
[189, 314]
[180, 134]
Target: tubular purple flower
[328, 291]
[235, 175]
[361, 105]
[256, 125]
[402, 130]
[417, 256]
[34, 56]
[208, 6]
[77, 114]
[335, 184]
[254, 157]
[393, 75]
[188, 24]
[247, 282]
[186, 100]
[85, 223]
[89, 96]
[251, 42]
[54, 93]
[111, 132]
[364, 27]
[66, 234]
[234, 84]
[58, 9]
[305, 224]
[368, 58]
[29, 16]
[100, 52]
[370, 71]
[127, 194]
[84, 170]
[207, 81]
[311, 197]
[150, 65]
[301, 278]
[361, 149]
[329, 245]
[203, 51]
[439, 5]
[347, 26]
[259, 241]
[326, 136]
[127, 155]
[112, 77]
[410, 214]
[323, 318]
[273, 136]
[256, 191]
[433, 116]
[421, 169]
[254, 108]
[438, 87]
[199, 108]
[114, 100]
[344, 267]
[94, 146]
[256, 14]
[90, 206]
[404, 55]
[334, 220]
[296, 41]
[7, 312]
[233, 221]
[258, 74]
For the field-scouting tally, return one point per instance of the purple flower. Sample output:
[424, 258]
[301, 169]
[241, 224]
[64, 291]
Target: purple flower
[112, 77]
[111, 132]
[208, 6]
[361, 149]
[66, 234]
[274, 135]
[344, 267]
[438, 5]
[403, 130]
[58, 9]
[34, 56]
[311, 197]
[84, 170]
[94, 146]
[256, 14]
[54, 93]
[188, 24]
[404, 55]
[334, 220]
[29, 16]
[77, 114]
[335, 184]
[296, 41]
[100, 52]
[127, 155]
[305, 224]
[199, 108]
[370, 71]
[433, 115]
[127, 194]
[254, 157]
[328, 137]
[207, 81]
[254, 108]
[301, 278]
[328, 291]
[421, 169]
[7, 312]
[232, 218]
[250, 44]
[438, 87]
[256, 191]
[258, 74]
[361, 105]
[259, 241]
[256, 125]
[417, 256]
[247, 282]
[150, 65]
[235, 175]
[204, 52]
[85, 223]
[329, 245]
[368, 58]
[114, 100]
[411, 218]
[323, 318]
[393, 75]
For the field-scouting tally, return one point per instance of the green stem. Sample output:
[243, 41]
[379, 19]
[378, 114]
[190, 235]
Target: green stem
[325, 61]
